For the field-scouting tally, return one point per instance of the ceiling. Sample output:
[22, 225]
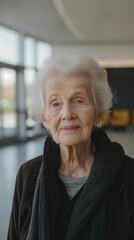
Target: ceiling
[71, 21]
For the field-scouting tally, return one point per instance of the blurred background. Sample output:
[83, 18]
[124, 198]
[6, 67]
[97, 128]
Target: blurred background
[30, 31]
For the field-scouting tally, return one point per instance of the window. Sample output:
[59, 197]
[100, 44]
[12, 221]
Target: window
[20, 58]
[29, 52]
[29, 77]
[8, 122]
[9, 46]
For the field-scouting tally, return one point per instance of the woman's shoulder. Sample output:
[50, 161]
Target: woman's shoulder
[26, 179]
[30, 169]
[23, 197]
[32, 164]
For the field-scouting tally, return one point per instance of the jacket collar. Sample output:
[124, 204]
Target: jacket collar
[107, 163]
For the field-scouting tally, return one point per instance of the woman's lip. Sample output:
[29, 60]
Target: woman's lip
[69, 128]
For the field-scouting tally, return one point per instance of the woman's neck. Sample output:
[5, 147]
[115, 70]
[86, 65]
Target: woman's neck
[76, 161]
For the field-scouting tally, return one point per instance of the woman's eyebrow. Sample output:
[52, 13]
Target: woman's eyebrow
[53, 95]
[73, 94]
[80, 92]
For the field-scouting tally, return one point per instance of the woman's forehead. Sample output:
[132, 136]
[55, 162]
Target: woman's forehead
[67, 86]
[65, 80]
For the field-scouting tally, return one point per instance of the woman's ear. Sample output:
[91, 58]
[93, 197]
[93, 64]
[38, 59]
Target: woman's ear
[45, 122]
[97, 120]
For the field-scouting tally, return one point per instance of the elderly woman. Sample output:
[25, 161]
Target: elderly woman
[81, 188]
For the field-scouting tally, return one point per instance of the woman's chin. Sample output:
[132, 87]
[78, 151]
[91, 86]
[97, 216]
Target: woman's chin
[70, 140]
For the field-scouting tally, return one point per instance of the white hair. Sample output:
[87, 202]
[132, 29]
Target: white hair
[101, 91]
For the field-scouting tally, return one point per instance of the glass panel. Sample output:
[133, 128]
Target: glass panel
[8, 102]
[44, 50]
[29, 77]
[29, 52]
[9, 46]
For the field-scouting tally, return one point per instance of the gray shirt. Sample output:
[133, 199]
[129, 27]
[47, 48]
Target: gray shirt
[73, 185]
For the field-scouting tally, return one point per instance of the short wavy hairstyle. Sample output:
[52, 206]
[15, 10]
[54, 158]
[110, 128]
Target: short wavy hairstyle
[101, 91]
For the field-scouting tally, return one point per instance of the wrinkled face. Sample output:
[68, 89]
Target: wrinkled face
[70, 112]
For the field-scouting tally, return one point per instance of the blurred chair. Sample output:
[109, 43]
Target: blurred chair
[120, 118]
[132, 118]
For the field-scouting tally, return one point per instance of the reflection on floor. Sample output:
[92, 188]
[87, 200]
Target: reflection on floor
[11, 157]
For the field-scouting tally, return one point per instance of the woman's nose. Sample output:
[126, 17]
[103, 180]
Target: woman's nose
[67, 112]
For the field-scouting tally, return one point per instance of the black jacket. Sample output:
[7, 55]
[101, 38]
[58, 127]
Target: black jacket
[105, 208]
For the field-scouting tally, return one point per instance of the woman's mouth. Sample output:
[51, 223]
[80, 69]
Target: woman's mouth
[69, 128]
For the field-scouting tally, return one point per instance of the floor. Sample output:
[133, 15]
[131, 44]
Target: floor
[11, 157]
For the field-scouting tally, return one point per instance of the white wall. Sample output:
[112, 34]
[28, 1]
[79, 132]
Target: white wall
[106, 55]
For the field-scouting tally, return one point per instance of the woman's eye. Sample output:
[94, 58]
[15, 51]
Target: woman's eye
[55, 104]
[79, 101]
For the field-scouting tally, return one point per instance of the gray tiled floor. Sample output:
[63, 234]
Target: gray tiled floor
[11, 157]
